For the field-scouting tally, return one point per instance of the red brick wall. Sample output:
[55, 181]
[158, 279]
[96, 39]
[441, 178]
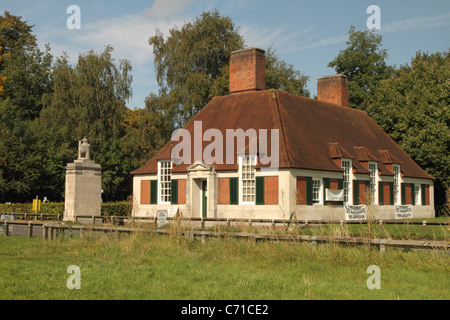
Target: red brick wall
[247, 70]
[333, 89]
[386, 199]
[362, 192]
[270, 190]
[334, 184]
[408, 193]
[301, 190]
[182, 191]
[427, 195]
[145, 191]
[223, 190]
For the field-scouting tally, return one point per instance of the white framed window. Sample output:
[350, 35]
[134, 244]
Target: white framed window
[317, 191]
[417, 195]
[247, 173]
[396, 170]
[373, 168]
[347, 185]
[164, 178]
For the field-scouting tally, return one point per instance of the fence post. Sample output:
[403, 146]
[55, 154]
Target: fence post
[250, 223]
[81, 232]
[44, 232]
[382, 246]
[30, 230]
[424, 224]
[273, 224]
[342, 224]
[6, 228]
[313, 241]
[228, 223]
[202, 223]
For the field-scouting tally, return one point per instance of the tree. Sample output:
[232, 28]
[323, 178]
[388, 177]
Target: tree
[363, 62]
[413, 107]
[192, 66]
[89, 98]
[190, 60]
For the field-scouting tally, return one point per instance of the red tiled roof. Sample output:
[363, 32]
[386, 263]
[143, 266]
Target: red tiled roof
[311, 133]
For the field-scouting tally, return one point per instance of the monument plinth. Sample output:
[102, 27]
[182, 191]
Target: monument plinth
[83, 195]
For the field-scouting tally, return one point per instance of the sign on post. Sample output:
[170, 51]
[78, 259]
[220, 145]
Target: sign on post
[162, 218]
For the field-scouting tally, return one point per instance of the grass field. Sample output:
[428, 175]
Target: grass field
[170, 267]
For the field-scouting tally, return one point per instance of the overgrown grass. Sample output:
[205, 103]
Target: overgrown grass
[144, 266]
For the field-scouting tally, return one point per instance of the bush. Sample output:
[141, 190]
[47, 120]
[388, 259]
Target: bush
[122, 208]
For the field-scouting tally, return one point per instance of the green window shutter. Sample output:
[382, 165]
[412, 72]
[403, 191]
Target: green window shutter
[308, 191]
[234, 191]
[355, 192]
[413, 194]
[154, 192]
[174, 191]
[380, 194]
[403, 189]
[326, 185]
[391, 193]
[422, 191]
[259, 190]
[340, 184]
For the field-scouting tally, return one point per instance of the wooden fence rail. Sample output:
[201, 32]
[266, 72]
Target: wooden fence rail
[51, 231]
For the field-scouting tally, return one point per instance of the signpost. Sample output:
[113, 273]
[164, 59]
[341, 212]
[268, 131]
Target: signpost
[162, 218]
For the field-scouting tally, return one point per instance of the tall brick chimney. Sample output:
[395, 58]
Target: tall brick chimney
[333, 89]
[247, 70]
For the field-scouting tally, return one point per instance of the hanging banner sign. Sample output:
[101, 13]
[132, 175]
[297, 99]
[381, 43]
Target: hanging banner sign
[355, 212]
[403, 212]
[334, 195]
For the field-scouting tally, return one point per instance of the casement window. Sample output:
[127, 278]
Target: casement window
[417, 196]
[373, 168]
[247, 181]
[346, 185]
[316, 185]
[164, 179]
[396, 170]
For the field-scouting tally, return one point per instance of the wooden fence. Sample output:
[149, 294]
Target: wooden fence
[51, 231]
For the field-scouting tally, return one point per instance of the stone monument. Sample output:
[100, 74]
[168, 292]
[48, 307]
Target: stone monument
[83, 185]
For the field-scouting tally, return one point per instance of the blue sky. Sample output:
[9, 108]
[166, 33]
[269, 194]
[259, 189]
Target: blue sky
[306, 34]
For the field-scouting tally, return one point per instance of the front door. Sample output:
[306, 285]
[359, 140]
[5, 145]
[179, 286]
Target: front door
[204, 198]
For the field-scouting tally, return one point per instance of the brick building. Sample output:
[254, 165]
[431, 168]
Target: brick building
[327, 156]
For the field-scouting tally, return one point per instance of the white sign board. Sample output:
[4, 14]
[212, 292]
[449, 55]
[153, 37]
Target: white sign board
[334, 195]
[403, 212]
[355, 212]
[162, 218]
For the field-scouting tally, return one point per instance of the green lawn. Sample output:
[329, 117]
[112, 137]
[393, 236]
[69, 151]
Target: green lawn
[168, 267]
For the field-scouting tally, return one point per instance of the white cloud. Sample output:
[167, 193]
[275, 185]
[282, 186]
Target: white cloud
[166, 8]
[418, 23]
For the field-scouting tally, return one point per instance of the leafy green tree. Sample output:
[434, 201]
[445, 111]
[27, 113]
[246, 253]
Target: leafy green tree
[363, 62]
[413, 107]
[89, 99]
[190, 60]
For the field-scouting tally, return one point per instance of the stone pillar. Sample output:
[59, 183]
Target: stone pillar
[83, 195]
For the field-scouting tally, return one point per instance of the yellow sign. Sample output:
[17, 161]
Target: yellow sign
[36, 205]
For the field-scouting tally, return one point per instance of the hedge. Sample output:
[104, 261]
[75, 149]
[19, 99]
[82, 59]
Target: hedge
[122, 208]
